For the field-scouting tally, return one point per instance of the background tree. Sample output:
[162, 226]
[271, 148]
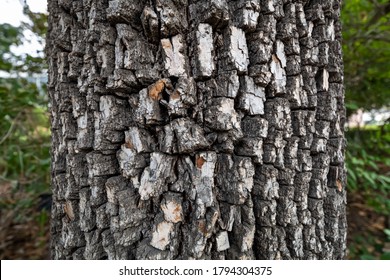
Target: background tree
[199, 129]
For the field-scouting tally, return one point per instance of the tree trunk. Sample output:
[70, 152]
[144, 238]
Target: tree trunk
[197, 129]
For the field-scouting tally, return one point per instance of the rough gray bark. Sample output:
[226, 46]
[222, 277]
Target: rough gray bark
[197, 129]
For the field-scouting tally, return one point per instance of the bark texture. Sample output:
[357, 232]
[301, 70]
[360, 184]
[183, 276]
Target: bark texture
[186, 129]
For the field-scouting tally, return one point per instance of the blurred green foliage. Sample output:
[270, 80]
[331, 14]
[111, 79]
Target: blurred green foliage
[9, 36]
[24, 144]
[24, 126]
[366, 48]
[368, 164]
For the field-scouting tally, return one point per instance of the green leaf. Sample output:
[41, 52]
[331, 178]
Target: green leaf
[387, 232]
[367, 257]
[385, 256]
[369, 177]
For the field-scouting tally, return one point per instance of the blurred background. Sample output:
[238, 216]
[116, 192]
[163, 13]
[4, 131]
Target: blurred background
[25, 134]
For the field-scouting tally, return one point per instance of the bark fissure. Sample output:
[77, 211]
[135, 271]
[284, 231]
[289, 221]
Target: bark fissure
[197, 129]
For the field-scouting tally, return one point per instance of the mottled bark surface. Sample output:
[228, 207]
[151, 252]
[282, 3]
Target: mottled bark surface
[186, 129]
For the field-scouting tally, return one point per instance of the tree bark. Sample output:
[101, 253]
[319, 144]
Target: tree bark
[186, 129]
